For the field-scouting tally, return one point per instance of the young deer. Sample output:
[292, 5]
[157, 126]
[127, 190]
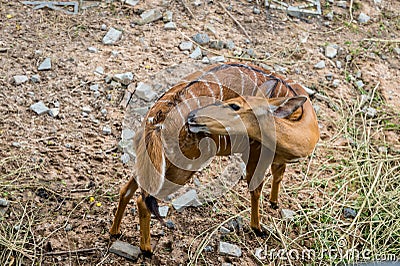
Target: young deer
[275, 114]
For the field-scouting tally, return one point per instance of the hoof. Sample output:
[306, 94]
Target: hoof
[259, 232]
[117, 235]
[147, 254]
[274, 205]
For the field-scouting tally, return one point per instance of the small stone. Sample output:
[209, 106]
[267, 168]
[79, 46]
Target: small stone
[329, 16]
[145, 92]
[94, 87]
[114, 53]
[96, 94]
[39, 108]
[112, 36]
[190, 198]
[208, 249]
[359, 84]
[382, 149]
[124, 78]
[16, 145]
[103, 27]
[317, 108]
[131, 2]
[331, 51]
[106, 130]
[163, 210]
[211, 28]
[218, 45]
[186, 46]
[45, 65]
[205, 60]
[149, 16]
[229, 249]
[201, 38]
[170, 26]
[103, 111]
[99, 70]
[68, 227]
[230, 45]
[53, 112]
[349, 213]
[329, 76]
[35, 78]
[363, 18]
[3, 202]
[170, 224]
[342, 4]
[309, 91]
[196, 54]
[320, 65]
[167, 16]
[348, 58]
[371, 112]
[217, 59]
[125, 250]
[396, 50]
[86, 109]
[125, 158]
[280, 69]
[92, 49]
[256, 11]
[336, 83]
[377, 2]
[223, 230]
[251, 53]
[20, 79]
[287, 214]
[127, 134]
[258, 253]
[338, 64]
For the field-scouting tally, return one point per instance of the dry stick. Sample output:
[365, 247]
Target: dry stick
[233, 18]
[351, 11]
[382, 40]
[69, 252]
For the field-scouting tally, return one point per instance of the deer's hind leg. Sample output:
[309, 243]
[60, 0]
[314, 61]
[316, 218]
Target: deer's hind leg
[125, 195]
[277, 171]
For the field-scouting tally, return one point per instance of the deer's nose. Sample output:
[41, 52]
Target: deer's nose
[191, 116]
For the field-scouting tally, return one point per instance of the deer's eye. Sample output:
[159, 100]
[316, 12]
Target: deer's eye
[234, 106]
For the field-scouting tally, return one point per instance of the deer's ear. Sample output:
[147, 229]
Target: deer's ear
[284, 107]
[266, 88]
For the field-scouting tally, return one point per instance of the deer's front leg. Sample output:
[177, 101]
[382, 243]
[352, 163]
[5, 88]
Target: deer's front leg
[255, 210]
[277, 171]
[125, 195]
[144, 222]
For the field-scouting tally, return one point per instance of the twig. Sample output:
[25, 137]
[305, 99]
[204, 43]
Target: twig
[68, 252]
[188, 9]
[351, 11]
[382, 40]
[78, 190]
[233, 18]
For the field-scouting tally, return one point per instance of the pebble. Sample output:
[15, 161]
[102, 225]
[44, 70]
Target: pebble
[112, 36]
[163, 210]
[196, 54]
[317, 108]
[208, 249]
[53, 112]
[39, 108]
[68, 227]
[205, 60]
[256, 11]
[382, 149]
[127, 134]
[103, 111]
[92, 49]
[258, 253]
[132, 2]
[141, 110]
[167, 16]
[338, 64]
[94, 87]
[396, 50]
[371, 112]
[99, 70]
[251, 53]
[331, 50]
[280, 69]
[170, 224]
[230, 45]
[201, 38]
[96, 94]
[309, 91]
[103, 27]
[217, 59]
[145, 92]
[218, 45]
[329, 76]
[149, 16]
[124, 78]
[363, 18]
[125, 158]
[45, 65]
[86, 109]
[226, 248]
[170, 26]
[190, 198]
[320, 65]
[223, 230]
[336, 83]
[287, 214]
[342, 4]
[349, 213]
[106, 130]
[114, 53]
[348, 58]
[329, 16]
[186, 46]
[359, 84]
[20, 79]
[35, 78]
[210, 28]
[3, 202]
[16, 145]
[125, 250]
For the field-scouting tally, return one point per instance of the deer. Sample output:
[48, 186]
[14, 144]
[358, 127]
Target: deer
[275, 114]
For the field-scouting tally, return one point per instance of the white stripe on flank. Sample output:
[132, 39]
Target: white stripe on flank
[224, 142]
[219, 144]
[186, 103]
[241, 75]
[180, 112]
[221, 89]
[280, 87]
[255, 83]
[194, 96]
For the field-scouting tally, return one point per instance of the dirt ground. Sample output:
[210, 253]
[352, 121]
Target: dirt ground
[61, 175]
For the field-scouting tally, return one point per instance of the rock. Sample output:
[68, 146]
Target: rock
[266, 67]
[205, 60]
[20, 79]
[201, 38]
[167, 16]
[99, 70]
[3, 202]
[127, 134]
[396, 50]
[287, 214]
[309, 91]
[336, 83]
[92, 49]
[230, 45]
[170, 224]
[141, 110]
[208, 249]
[359, 84]
[45, 65]
[163, 210]
[186, 46]
[317, 108]
[196, 54]
[103, 27]
[96, 94]
[363, 18]
[68, 227]
[125, 158]
[223, 230]
[53, 112]
[145, 92]
[256, 11]
[211, 28]
[170, 26]
[342, 4]
[16, 145]
[190, 198]
[226, 264]
[218, 45]
[349, 213]
[131, 2]
[35, 78]
[94, 87]
[114, 53]
[338, 64]
[251, 53]
[106, 130]
[124, 78]
[320, 65]
[39, 108]
[258, 253]
[280, 69]
[331, 50]
[371, 112]
[217, 59]
[112, 36]
[382, 149]
[229, 249]
[125, 250]
[329, 16]
[149, 16]
[86, 109]
[329, 76]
